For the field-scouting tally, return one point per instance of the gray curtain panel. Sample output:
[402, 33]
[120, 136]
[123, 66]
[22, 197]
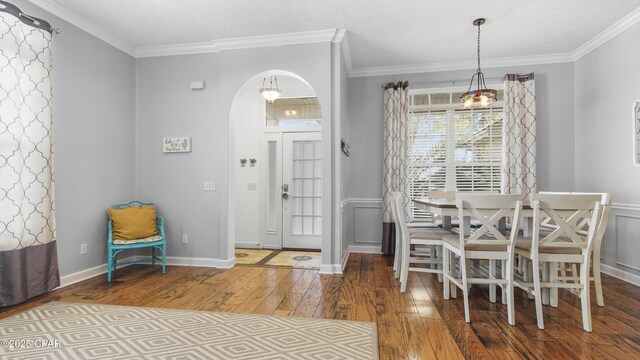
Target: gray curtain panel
[519, 157]
[28, 258]
[395, 169]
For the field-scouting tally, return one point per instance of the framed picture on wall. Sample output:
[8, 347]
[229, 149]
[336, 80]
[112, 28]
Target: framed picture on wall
[636, 133]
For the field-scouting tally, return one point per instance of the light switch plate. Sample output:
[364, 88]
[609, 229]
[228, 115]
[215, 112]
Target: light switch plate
[252, 186]
[209, 186]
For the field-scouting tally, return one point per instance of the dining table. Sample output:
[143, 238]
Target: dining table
[447, 208]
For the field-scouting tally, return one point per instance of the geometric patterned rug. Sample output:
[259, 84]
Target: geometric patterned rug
[64, 330]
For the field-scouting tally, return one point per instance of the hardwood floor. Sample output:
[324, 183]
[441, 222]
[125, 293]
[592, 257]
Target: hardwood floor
[416, 325]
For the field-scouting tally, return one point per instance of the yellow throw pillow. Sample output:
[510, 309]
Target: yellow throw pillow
[133, 223]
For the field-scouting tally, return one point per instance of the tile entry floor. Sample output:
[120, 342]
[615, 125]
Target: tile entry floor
[289, 258]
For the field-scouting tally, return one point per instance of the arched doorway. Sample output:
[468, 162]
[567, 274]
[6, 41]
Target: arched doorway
[275, 167]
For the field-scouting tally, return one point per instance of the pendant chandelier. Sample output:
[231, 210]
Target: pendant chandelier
[481, 97]
[270, 93]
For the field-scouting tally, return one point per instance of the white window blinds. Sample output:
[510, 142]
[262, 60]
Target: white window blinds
[452, 148]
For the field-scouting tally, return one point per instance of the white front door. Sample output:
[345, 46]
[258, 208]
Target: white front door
[302, 190]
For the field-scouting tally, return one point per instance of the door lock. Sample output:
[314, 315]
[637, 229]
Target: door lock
[285, 189]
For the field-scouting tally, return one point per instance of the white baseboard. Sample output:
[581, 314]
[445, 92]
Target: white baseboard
[81, 275]
[620, 274]
[326, 269]
[345, 259]
[85, 274]
[201, 262]
[365, 249]
[247, 245]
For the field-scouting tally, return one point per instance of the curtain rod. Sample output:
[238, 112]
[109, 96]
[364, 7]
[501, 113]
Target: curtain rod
[9, 8]
[449, 83]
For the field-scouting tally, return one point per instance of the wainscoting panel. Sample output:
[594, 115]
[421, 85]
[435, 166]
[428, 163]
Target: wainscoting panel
[620, 247]
[367, 225]
[362, 222]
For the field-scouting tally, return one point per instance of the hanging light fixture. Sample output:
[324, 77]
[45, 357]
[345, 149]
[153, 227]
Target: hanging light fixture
[481, 97]
[270, 93]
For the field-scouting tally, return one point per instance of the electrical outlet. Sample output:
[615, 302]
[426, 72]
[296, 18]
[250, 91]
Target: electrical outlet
[209, 186]
[83, 249]
[185, 238]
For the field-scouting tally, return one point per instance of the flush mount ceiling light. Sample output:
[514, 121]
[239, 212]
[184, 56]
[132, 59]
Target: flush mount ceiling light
[481, 97]
[270, 93]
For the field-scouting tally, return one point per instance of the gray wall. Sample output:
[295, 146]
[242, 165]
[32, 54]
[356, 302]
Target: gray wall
[167, 107]
[93, 121]
[607, 82]
[555, 142]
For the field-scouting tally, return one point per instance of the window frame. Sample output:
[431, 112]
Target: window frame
[449, 109]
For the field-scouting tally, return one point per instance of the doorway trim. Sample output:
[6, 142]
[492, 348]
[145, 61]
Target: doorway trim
[327, 168]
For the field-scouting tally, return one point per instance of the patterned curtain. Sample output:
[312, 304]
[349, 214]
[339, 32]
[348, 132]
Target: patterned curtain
[396, 115]
[519, 157]
[28, 257]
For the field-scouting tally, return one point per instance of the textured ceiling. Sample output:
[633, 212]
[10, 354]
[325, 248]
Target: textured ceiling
[381, 32]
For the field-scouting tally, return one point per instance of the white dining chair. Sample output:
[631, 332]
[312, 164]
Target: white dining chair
[568, 272]
[486, 243]
[414, 228]
[430, 237]
[576, 219]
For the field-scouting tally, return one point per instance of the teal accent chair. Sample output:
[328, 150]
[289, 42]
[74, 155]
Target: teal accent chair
[115, 249]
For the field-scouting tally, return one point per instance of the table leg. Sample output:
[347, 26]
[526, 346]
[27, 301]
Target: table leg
[446, 222]
[467, 226]
[527, 226]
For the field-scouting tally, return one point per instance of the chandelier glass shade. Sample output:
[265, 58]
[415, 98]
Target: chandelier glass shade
[481, 97]
[271, 92]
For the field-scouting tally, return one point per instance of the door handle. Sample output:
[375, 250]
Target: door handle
[285, 189]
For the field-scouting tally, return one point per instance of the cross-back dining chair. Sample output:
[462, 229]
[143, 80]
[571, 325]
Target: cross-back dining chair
[486, 243]
[155, 242]
[569, 272]
[576, 219]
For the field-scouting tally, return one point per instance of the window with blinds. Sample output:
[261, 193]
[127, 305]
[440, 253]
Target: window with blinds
[452, 148]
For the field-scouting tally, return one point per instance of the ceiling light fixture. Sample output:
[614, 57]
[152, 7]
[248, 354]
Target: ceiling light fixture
[270, 93]
[481, 97]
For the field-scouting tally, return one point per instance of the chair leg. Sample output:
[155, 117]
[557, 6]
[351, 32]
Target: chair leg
[465, 288]
[404, 267]
[396, 259]
[453, 273]
[597, 280]
[153, 255]
[109, 265]
[511, 309]
[438, 256]
[545, 278]
[164, 258]
[537, 292]
[504, 276]
[492, 276]
[553, 292]
[446, 272]
[585, 295]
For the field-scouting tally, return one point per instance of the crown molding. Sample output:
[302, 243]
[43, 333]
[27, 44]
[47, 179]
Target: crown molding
[305, 37]
[91, 28]
[177, 49]
[346, 53]
[461, 65]
[609, 33]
